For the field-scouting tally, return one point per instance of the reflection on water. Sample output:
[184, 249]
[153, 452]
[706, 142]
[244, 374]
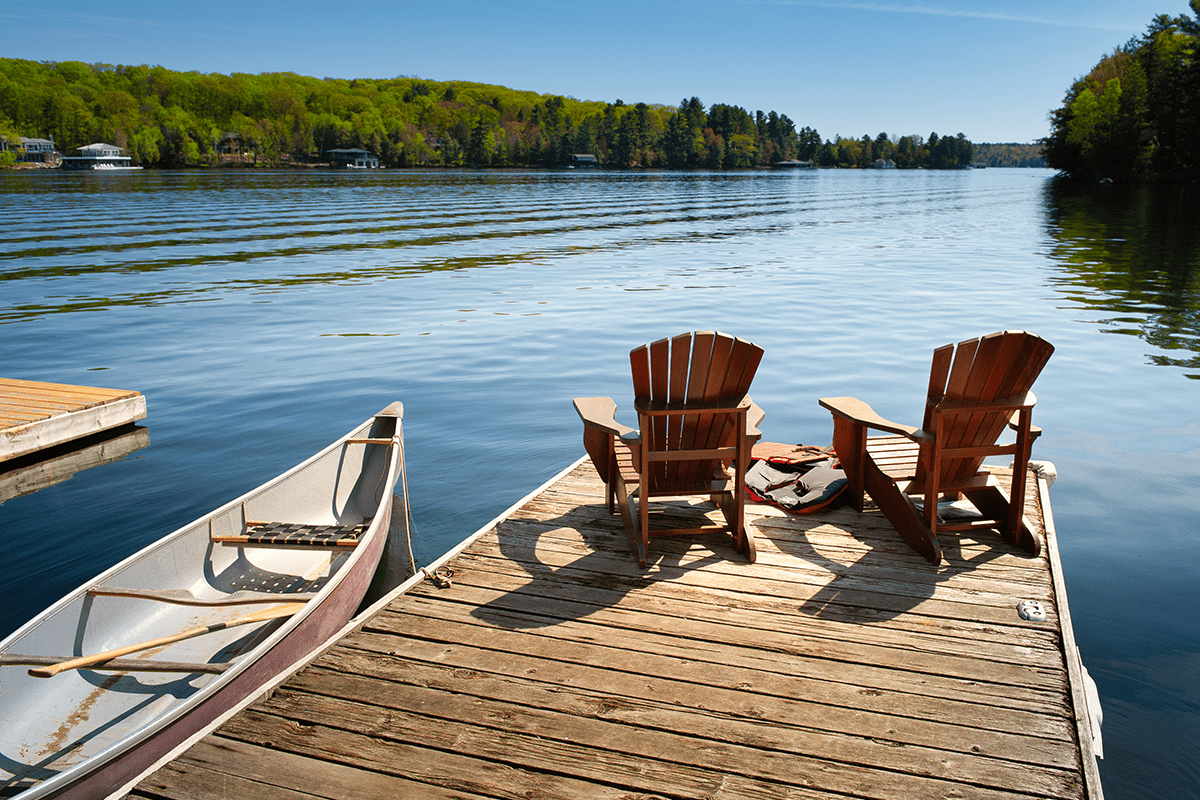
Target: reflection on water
[1131, 256]
[37, 471]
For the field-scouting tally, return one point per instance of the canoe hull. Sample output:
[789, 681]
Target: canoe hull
[308, 636]
[95, 731]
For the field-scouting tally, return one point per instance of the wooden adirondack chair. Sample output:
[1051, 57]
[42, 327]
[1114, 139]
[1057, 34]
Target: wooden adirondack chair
[974, 392]
[694, 419]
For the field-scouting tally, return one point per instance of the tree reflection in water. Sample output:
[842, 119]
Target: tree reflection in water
[1131, 255]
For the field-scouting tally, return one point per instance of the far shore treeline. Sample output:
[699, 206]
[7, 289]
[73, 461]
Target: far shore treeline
[170, 119]
[1136, 115]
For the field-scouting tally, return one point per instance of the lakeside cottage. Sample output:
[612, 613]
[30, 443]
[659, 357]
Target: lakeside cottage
[584, 161]
[36, 151]
[883, 163]
[351, 158]
[98, 156]
[30, 151]
[793, 163]
[233, 148]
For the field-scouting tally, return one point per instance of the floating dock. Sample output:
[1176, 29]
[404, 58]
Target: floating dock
[841, 664]
[35, 416]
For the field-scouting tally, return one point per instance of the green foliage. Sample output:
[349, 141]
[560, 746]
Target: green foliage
[10, 140]
[1009, 155]
[188, 119]
[906, 152]
[1136, 115]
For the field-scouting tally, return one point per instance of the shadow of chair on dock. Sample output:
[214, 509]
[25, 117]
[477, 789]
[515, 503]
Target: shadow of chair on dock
[885, 581]
[579, 563]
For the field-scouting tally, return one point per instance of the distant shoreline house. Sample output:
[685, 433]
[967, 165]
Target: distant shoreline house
[351, 158]
[793, 164]
[37, 151]
[31, 151]
[98, 156]
[233, 148]
[584, 161]
[881, 163]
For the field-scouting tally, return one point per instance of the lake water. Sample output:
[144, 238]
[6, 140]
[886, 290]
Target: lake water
[264, 314]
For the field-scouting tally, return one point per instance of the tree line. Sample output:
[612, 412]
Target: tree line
[1009, 154]
[903, 152]
[1136, 115]
[170, 119]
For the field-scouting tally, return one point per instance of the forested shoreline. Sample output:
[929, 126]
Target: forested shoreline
[1010, 154]
[171, 119]
[1136, 115]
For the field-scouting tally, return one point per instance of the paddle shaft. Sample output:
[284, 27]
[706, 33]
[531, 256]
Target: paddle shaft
[286, 610]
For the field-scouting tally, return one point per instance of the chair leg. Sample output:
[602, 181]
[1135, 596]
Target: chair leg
[734, 511]
[643, 519]
[625, 504]
[900, 511]
[850, 446]
[638, 541]
[612, 474]
[746, 547]
[1020, 474]
[993, 503]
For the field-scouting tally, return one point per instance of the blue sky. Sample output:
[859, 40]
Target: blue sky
[990, 70]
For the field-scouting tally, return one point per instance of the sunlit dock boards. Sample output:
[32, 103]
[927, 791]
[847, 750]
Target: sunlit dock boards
[839, 665]
[35, 416]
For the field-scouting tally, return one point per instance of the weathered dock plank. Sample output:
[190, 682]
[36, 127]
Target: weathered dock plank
[35, 415]
[841, 664]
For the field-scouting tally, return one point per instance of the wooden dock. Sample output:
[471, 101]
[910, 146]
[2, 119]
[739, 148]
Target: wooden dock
[841, 664]
[35, 416]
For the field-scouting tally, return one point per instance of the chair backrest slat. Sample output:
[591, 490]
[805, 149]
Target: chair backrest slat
[703, 343]
[939, 373]
[678, 433]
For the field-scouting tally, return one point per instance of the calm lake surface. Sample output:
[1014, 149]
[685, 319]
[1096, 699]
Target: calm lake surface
[265, 314]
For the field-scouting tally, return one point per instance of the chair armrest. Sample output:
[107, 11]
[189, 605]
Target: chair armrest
[600, 413]
[754, 417]
[857, 411]
[1014, 423]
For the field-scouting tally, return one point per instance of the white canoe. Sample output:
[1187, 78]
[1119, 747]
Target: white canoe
[86, 732]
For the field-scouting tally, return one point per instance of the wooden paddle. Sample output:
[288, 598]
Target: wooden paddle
[286, 610]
